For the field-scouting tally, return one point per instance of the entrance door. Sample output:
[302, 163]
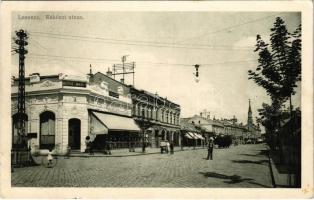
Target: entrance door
[75, 133]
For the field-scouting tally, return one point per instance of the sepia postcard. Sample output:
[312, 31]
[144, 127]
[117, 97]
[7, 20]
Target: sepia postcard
[167, 100]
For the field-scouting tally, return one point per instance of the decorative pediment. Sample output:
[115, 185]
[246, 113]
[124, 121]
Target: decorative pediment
[104, 85]
[47, 84]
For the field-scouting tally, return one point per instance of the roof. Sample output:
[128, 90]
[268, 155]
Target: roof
[152, 95]
[186, 126]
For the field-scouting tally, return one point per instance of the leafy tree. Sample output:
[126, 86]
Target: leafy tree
[278, 70]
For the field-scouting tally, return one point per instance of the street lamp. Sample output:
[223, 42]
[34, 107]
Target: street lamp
[144, 126]
[196, 73]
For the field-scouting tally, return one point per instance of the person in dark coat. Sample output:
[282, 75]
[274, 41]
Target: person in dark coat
[171, 147]
[210, 148]
[87, 143]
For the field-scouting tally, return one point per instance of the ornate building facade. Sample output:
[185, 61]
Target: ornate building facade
[62, 110]
[159, 117]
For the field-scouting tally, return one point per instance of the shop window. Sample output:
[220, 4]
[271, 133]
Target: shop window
[15, 126]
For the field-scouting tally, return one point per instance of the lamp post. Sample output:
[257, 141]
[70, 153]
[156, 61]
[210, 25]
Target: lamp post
[144, 126]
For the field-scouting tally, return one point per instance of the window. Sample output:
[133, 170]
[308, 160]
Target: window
[15, 125]
[47, 130]
[114, 94]
[134, 110]
[139, 110]
[73, 84]
[170, 118]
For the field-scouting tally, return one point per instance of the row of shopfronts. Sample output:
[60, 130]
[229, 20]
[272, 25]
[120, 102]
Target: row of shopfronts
[208, 127]
[62, 110]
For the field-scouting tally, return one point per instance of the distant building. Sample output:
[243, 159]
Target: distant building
[253, 131]
[215, 127]
[191, 134]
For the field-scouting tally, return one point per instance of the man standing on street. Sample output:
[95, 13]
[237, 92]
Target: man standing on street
[210, 148]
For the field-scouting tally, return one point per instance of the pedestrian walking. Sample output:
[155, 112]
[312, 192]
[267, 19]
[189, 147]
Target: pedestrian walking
[91, 147]
[171, 147]
[210, 148]
[87, 143]
[49, 158]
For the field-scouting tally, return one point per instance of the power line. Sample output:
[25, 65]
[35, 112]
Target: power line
[230, 27]
[142, 62]
[37, 43]
[70, 57]
[133, 43]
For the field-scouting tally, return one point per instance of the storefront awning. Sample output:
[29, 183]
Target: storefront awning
[199, 136]
[117, 123]
[187, 135]
[193, 135]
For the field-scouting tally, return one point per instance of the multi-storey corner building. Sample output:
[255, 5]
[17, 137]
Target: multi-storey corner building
[62, 110]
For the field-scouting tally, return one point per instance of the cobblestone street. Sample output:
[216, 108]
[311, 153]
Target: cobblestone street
[239, 166]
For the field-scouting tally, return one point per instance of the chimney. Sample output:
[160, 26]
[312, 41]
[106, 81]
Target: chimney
[201, 114]
[109, 73]
[122, 80]
[34, 78]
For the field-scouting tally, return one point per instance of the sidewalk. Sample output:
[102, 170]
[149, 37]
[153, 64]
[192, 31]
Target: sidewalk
[280, 172]
[125, 152]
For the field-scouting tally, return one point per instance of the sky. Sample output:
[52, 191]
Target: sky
[165, 47]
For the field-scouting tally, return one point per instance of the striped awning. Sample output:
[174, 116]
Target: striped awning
[193, 135]
[187, 135]
[199, 136]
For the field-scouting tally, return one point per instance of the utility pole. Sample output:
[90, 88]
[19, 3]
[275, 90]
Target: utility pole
[21, 154]
[22, 117]
[124, 69]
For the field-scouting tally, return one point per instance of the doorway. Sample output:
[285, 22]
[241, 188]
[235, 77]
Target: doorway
[75, 134]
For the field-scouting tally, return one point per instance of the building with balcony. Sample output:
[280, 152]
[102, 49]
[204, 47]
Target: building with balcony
[157, 116]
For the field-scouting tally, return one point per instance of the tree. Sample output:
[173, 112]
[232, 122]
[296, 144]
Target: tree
[278, 70]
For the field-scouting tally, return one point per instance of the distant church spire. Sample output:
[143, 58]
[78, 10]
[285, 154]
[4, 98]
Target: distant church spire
[249, 117]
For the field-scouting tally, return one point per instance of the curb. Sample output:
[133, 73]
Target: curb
[271, 170]
[138, 154]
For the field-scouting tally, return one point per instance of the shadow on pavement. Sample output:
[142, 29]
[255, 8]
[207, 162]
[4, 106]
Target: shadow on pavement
[262, 152]
[232, 179]
[250, 161]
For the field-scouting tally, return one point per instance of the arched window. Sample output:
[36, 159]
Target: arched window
[47, 130]
[16, 140]
[139, 110]
[170, 117]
